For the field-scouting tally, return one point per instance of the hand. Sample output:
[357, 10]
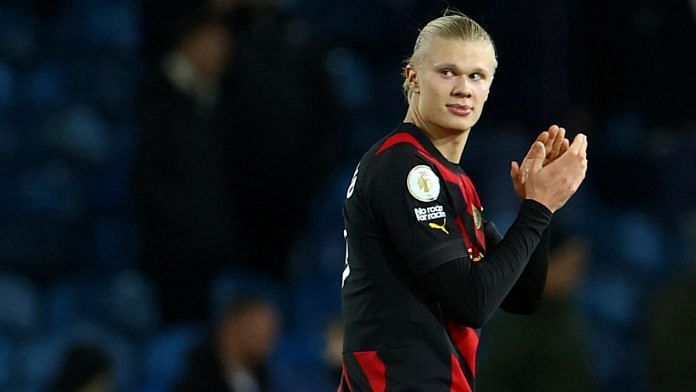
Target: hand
[552, 185]
[555, 144]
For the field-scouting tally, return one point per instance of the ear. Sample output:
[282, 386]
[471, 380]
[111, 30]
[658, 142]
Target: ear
[411, 77]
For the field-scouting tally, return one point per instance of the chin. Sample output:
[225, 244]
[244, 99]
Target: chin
[459, 125]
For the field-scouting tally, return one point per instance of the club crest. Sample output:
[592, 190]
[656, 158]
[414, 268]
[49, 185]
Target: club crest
[478, 217]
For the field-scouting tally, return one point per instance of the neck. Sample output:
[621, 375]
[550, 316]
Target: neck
[449, 142]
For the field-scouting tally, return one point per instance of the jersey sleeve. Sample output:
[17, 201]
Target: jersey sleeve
[526, 294]
[471, 292]
[410, 201]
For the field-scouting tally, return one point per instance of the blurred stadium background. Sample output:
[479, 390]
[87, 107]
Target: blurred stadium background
[72, 246]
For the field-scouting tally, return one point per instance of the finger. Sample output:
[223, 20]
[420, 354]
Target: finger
[553, 134]
[553, 131]
[576, 146]
[525, 161]
[543, 137]
[583, 150]
[514, 170]
[564, 145]
[558, 142]
[537, 154]
[518, 172]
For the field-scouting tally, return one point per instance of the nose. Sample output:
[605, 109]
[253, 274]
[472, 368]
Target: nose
[462, 87]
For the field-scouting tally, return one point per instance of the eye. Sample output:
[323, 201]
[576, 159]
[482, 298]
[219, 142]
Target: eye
[476, 76]
[446, 72]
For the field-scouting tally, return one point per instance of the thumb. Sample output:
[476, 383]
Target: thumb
[537, 154]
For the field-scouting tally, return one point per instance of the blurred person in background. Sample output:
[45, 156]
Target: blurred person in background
[547, 352]
[333, 350]
[282, 127]
[672, 330]
[235, 357]
[184, 212]
[424, 271]
[85, 369]
[238, 134]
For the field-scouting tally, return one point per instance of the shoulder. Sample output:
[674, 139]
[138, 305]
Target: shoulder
[393, 173]
[395, 154]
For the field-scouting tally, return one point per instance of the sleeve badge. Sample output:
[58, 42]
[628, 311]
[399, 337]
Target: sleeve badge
[423, 184]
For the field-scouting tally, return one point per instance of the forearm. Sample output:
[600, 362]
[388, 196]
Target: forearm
[471, 292]
[527, 292]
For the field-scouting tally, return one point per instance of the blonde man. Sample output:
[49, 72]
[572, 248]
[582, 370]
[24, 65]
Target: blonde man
[424, 270]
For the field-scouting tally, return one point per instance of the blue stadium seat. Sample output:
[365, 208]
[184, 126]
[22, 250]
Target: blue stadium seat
[51, 191]
[123, 351]
[113, 24]
[40, 358]
[7, 85]
[19, 305]
[298, 364]
[89, 28]
[114, 236]
[124, 300]
[131, 303]
[315, 302]
[45, 86]
[350, 74]
[114, 84]
[320, 249]
[81, 133]
[166, 355]
[19, 33]
[232, 284]
[642, 243]
[7, 352]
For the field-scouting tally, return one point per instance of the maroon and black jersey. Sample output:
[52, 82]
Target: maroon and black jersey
[413, 227]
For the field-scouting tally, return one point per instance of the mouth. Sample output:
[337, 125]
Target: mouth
[460, 110]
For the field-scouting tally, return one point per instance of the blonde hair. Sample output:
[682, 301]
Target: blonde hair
[453, 24]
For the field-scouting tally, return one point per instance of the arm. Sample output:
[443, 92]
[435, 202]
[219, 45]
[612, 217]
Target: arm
[527, 292]
[472, 291]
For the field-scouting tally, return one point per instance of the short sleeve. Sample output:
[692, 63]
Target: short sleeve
[412, 203]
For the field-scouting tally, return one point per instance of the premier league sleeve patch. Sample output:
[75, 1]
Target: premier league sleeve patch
[423, 184]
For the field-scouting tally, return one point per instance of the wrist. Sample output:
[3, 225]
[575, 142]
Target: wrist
[539, 204]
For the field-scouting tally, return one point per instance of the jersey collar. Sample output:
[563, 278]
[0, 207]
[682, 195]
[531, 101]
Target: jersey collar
[422, 137]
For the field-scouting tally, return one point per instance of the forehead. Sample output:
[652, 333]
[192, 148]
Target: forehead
[459, 52]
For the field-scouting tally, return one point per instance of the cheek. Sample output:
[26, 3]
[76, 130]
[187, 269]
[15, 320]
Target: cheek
[435, 94]
[485, 92]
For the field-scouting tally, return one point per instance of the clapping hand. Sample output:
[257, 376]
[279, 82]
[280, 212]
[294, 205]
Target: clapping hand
[553, 184]
[555, 144]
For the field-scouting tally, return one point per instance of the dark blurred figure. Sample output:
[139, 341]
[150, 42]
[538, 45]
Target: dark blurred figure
[672, 332]
[235, 357]
[547, 352]
[333, 351]
[256, 156]
[182, 202]
[282, 119]
[85, 369]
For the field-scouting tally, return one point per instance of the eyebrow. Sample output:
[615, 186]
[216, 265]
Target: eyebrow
[446, 65]
[452, 65]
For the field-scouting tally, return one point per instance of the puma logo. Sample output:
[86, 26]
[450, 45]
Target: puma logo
[439, 227]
